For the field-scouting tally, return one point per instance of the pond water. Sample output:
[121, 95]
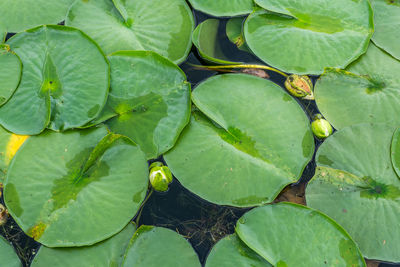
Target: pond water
[201, 222]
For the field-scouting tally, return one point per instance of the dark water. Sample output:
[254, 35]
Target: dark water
[201, 222]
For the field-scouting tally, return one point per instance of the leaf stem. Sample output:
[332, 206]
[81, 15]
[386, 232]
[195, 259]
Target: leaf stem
[240, 66]
[141, 206]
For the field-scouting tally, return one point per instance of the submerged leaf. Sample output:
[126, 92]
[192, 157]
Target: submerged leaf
[79, 189]
[356, 185]
[241, 157]
[306, 36]
[163, 26]
[10, 73]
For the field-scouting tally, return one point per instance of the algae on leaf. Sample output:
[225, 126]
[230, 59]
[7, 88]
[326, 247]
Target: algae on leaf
[242, 154]
[356, 185]
[162, 26]
[306, 36]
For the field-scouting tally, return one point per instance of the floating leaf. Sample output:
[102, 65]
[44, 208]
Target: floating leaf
[355, 184]
[149, 100]
[223, 8]
[9, 145]
[108, 253]
[64, 82]
[309, 34]
[231, 251]
[17, 16]
[157, 246]
[164, 26]
[7, 255]
[234, 31]
[75, 188]
[368, 92]
[247, 155]
[395, 152]
[387, 25]
[287, 234]
[10, 73]
[205, 38]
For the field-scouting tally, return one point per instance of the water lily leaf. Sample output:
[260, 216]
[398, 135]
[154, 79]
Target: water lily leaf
[64, 82]
[161, 26]
[7, 254]
[231, 251]
[10, 73]
[395, 151]
[242, 158]
[356, 185]
[108, 253]
[307, 36]
[223, 8]
[205, 38]
[9, 145]
[149, 100]
[17, 16]
[274, 232]
[234, 31]
[77, 181]
[367, 92]
[157, 246]
[387, 25]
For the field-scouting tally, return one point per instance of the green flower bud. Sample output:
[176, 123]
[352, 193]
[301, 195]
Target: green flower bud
[3, 215]
[321, 127]
[160, 176]
[300, 86]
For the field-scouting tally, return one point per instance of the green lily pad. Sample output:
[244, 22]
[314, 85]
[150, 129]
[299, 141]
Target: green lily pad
[157, 246]
[149, 101]
[395, 152]
[234, 31]
[205, 38]
[108, 253]
[81, 188]
[10, 73]
[387, 25]
[64, 84]
[307, 36]
[242, 158]
[17, 16]
[356, 185]
[7, 255]
[231, 251]
[368, 92]
[9, 145]
[223, 8]
[287, 234]
[164, 26]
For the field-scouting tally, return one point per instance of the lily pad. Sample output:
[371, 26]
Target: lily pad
[157, 246]
[64, 84]
[17, 16]
[356, 185]
[205, 38]
[309, 34]
[231, 251]
[395, 151]
[234, 31]
[274, 232]
[241, 157]
[149, 101]
[368, 92]
[387, 25]
[7, 255]
[9, 145]
[108, 253]
[10, 73]
[164, 26]
[223, 8]
[81, 188]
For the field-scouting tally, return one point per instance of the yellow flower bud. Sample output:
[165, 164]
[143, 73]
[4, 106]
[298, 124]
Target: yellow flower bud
[321, 127]
[160, 176]
[300, 86]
